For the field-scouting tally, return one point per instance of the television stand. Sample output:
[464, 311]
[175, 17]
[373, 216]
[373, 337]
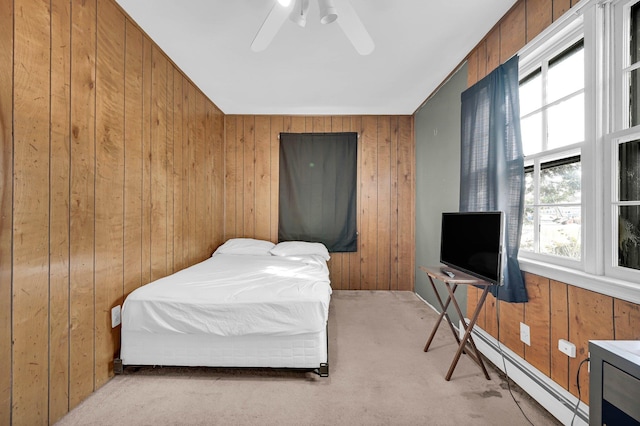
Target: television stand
[452, 278]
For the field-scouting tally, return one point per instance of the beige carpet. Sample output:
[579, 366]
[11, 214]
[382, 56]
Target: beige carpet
[379, 375]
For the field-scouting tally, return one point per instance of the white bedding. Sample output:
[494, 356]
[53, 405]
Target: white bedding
[233, 295]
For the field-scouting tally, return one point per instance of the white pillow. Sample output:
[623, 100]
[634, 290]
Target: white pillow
[296, 248]
[246, 246]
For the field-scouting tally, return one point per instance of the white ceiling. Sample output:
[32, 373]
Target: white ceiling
[315, 70]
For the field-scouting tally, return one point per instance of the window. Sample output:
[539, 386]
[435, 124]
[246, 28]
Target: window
[623, 148]
[552, 113]
[580, 112]
[318, 173]
[628, 204]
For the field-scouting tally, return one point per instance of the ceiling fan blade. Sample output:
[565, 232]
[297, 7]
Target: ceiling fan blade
[271, 25]
[353, 27]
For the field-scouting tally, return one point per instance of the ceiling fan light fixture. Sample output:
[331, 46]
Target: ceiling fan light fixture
[328, 12]
[299, 13]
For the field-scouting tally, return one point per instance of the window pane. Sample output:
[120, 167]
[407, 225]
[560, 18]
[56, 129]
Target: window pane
[629, 237]
[566, 76]
[635, 33]
[531, 129]
[528, 188]
[526, 238]
[634, 89]
[629, 171]
[634, 98]
[566, 122]
[560, 184]
[531, 93]
[560, 231]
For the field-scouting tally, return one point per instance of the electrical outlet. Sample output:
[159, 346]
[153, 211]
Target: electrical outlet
[567, 348]
[115, 316]
[525, 334]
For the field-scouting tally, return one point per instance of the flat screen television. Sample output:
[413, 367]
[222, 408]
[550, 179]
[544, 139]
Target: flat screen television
[472, 243]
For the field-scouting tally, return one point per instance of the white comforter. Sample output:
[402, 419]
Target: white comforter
[233, 295]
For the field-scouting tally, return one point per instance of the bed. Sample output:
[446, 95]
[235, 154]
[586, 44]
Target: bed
[251, 304]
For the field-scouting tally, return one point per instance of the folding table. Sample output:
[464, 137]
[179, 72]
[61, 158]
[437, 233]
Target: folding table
[452, 281]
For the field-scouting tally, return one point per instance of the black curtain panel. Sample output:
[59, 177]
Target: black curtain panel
[318, 173]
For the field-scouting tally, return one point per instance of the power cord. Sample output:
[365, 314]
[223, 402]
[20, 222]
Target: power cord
[504, 364]
[575, 409]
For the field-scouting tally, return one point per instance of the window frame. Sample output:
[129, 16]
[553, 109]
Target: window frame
[620, 132]
[535, 57]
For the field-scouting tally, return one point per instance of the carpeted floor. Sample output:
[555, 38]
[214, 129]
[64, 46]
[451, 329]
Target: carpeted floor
[379, 375]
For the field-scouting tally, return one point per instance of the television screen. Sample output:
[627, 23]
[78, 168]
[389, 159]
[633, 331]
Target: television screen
[472, 242]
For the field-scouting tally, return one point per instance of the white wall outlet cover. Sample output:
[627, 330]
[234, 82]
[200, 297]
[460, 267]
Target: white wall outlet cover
[525, 334]
[115, 316]
[567, 348]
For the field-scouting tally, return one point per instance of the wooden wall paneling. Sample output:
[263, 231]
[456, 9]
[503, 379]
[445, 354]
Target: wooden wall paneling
[626, 319]
[249, 162]
[169, 167]
[31, 212]
[276, 126]
[560, 7]
[186, 164]
[337, 259]
[394, 239]
[539, 16]
[133, 159]
[109, 183]
[59, 175]
[493, 49]
[158, 164]
[483, 67]
[263, 177]
[537, 315]
[559, 329]
[384, 203]
[209, 193]
[347, 124]
[472, 67]
[355, 259]
[6, 204]
[250, 140]
[218, 170]
[240, 173]
[511, 315]
[299, 125]
[472, 302]
[178, 179]
[406, 204]
[230, 170]
[513, 32]
[369, 186]
[200, 170]
[590, 318]
[82, 227]
[147, 90]
[491, 320]
[193, 180]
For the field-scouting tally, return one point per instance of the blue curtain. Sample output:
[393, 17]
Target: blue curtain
[491, 164]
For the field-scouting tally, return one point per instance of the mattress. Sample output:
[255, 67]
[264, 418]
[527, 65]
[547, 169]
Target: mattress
[231, 310]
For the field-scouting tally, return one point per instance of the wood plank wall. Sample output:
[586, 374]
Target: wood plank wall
[555, 310]
[386, 176]
[113, 177]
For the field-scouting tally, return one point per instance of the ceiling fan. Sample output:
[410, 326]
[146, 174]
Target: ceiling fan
[340, 11]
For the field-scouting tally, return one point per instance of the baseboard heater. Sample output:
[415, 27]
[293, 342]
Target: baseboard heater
[554, 398]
